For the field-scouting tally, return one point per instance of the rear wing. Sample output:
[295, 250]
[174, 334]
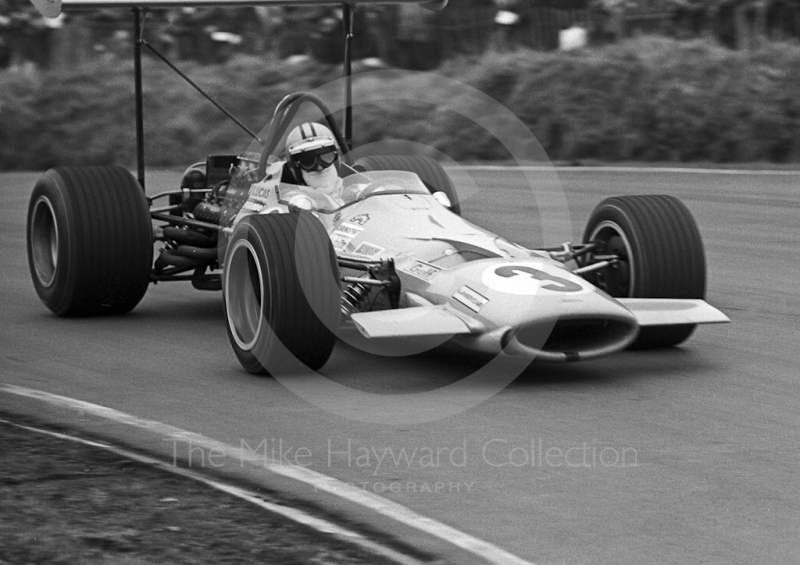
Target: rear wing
[53, 8]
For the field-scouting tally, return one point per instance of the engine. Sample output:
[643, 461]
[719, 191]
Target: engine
[212, 193]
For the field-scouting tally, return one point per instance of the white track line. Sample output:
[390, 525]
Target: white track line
[682, 170]
[397, 512]
[253, 497]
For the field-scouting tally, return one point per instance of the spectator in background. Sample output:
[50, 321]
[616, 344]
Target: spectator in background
[689, 17]
[5, 44]
[292, 31]
[417, 44]
[608, 20]
[26, 35]
[268, 17]
[508, 25]
[186, 33]
[382, 29]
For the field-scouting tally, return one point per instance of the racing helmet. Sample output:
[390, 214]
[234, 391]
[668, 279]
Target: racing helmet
[312, 147]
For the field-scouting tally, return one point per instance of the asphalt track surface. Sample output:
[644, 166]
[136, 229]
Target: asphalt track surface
[689, 455]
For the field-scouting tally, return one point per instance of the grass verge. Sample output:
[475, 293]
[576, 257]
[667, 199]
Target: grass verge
[64, 502]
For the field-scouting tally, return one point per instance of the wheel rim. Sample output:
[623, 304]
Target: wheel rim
[44, 241]
[244, 295]
[616, 242]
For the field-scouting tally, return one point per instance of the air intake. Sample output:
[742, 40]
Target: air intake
[572, 339]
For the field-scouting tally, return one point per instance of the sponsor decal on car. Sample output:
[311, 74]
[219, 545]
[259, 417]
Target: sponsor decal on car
[368, 250]
[471, 298]
[340, 241]
[343, 235]
[348, 230]
[422, 270]
[254, 206]
[261, 190]
[360, 219]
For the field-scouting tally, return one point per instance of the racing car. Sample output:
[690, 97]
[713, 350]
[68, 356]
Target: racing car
[397, 263]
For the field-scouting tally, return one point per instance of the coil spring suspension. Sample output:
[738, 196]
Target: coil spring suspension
[354, 297]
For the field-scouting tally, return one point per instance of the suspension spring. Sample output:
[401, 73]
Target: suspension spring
[354, 298]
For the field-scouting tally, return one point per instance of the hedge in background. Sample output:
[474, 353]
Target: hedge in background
[86, 116]
[649, 99]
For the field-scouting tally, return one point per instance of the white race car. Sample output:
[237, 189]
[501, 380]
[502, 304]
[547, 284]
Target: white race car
[396, 263]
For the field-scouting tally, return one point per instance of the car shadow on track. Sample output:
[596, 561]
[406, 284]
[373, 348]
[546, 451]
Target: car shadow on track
[619, 369]
[447, 364]
[350, 365]
[185, 307]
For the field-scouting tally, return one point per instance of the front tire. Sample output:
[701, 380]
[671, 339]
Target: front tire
[89, 240]
[281, 293]
[661, 256]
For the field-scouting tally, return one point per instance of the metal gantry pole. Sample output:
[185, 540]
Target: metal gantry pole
[137, 65]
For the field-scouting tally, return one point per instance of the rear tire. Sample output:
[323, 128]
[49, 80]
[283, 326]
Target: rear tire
[89, 240]
[429, 170]
[281, 293]
[661, 252]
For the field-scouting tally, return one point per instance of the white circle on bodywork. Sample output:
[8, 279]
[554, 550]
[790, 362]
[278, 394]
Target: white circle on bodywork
[533, 278]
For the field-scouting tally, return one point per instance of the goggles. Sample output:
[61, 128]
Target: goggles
[316, 159]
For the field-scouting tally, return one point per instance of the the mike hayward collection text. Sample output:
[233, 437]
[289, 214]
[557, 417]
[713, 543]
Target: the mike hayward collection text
[496, 452]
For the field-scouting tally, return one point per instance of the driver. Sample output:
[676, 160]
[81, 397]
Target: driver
[311, 149]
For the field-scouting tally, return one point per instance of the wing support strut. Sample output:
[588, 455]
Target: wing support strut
[137, 65]
[139, 40]
[347, 17]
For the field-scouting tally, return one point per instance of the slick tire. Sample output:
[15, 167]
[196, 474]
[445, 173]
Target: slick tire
[89, 240]
[662, 256]
[429, 170]
[281, 293]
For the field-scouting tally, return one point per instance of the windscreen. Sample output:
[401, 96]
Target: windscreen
[372, 183]
[356, 188]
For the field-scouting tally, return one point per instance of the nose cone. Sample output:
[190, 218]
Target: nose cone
[593, 326]
[536, 308]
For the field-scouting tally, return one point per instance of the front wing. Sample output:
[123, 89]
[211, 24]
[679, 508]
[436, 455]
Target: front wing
[439, 320]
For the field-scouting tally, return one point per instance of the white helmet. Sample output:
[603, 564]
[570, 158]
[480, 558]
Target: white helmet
[311, 146]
